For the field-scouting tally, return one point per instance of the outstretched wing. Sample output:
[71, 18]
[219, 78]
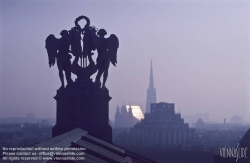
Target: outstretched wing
[112, 44]
[52, 45]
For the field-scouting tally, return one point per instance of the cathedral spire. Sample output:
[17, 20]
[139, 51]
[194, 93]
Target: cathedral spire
[151, 92]
[151, 78]
[117, 116]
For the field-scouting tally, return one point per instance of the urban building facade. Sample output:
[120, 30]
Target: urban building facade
[162, 127]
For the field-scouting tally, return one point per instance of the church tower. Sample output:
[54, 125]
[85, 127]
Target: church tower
[117, 117]
[151, 93]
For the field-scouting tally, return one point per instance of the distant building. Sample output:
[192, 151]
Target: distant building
[151, 92]
[30, 115]
[10, 128]
[30, 118]
[44, 122]
[193, 118]
[203, 116]
[162, 126]
[220, 126]
[136, 111]
[127, 116]
[199, 123]
[210, 139]
[236, 120]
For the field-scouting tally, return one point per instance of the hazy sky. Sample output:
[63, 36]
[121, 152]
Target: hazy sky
[199, 48]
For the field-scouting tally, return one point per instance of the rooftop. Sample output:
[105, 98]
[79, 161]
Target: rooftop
[96, 150]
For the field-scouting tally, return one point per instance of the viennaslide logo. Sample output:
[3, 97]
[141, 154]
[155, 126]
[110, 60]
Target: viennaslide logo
[233, 152]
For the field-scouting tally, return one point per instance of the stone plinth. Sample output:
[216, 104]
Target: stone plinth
[83, 105]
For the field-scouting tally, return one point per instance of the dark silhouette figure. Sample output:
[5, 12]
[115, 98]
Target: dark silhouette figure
[83, 104]
[63, 57]
[107, 52]
[102, 60]
[60, 48]
[88, 45]
[76, 46]
[106, 48]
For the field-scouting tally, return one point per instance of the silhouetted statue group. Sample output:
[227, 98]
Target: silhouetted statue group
[60, 50]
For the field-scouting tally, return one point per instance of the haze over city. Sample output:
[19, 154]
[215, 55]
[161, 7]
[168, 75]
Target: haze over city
[199, 49]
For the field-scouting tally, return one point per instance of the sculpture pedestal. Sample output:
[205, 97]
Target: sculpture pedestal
[83, 105]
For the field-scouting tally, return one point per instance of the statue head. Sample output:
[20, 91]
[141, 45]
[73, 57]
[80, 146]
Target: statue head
[101, 32]
[64, 32]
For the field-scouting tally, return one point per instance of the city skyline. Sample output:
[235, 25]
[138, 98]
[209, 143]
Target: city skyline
[199, 49]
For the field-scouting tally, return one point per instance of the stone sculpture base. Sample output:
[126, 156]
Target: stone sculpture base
[83, 105]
